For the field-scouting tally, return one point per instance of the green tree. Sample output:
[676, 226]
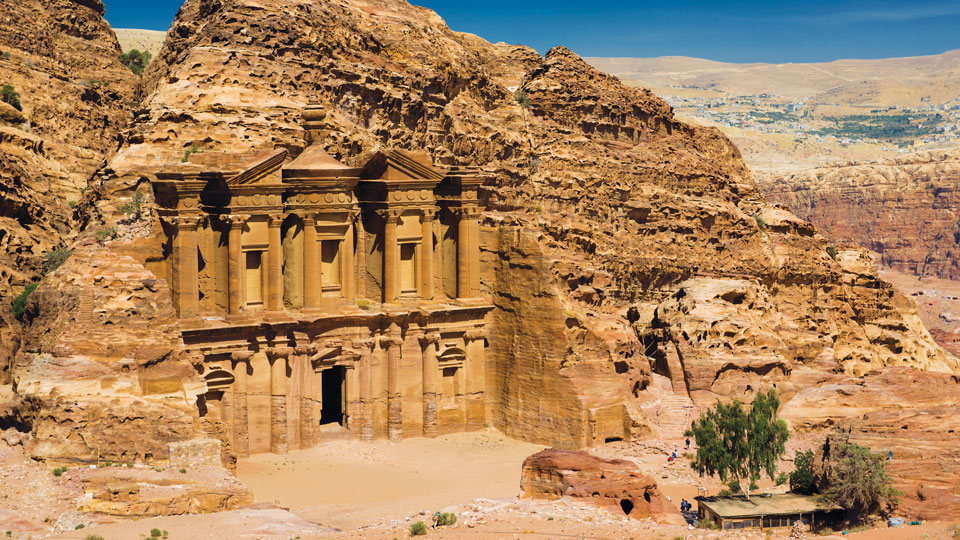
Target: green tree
[859, 482]
[135, 60]
[55, 259]
[736, 445]
[20, 302]
[9, 95]
[801, 478]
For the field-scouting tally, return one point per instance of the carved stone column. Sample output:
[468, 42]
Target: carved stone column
[349, 272]
[311, 263]
[241, 439]
[275, 264]
[463, 254]
[189, 267]
[391, 258]
[475, 378]
[473, 220]
[278, 357]
[428, 343]
[365, 347]
[392, 342]
[308, 429]
[426, 254]
[235, 264]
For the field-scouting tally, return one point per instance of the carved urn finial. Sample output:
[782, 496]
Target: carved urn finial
[313, 122]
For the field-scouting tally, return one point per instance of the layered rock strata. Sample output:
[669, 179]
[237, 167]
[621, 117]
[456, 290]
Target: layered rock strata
[904, 209]
[657, 203]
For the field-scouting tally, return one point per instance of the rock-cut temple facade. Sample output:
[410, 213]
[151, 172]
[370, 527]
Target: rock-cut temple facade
[325, 301]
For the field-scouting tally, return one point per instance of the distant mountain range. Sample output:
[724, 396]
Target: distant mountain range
[907, 82]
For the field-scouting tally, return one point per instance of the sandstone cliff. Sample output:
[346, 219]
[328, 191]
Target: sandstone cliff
[619, 244]
[61, 57]
[904, 209]
[600, 205]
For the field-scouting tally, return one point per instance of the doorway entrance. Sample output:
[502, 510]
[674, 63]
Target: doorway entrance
[332, 383]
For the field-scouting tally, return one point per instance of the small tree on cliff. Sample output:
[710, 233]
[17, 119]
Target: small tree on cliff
[135, 60]
[736, 445]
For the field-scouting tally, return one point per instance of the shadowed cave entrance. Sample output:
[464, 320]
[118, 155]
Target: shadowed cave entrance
[332, 381]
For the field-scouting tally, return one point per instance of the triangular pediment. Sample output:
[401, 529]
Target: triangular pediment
[265, 170]
[400, 165]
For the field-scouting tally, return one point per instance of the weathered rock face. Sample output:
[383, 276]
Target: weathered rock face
[99, 375]
[901, 410]
[611, 483]
[905, 209]
[613, 232]
[61, 57]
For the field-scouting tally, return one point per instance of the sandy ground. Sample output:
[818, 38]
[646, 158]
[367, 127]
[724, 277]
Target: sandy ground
[345, 484]
[349, 490]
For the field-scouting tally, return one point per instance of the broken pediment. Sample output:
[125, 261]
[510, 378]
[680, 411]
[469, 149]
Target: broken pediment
[401, 165]
[265, 170]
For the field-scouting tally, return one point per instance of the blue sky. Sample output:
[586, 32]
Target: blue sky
[731, 31]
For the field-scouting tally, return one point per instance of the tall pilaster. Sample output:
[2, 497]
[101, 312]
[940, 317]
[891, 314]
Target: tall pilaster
[308, 430]
[235, 264]
[278, 398]
[241, 440]
[365, 347]
[473, 220]
[311, 263]
[426, 254]
[188, 283]
[391, 258]
[349, 273]
[428, 343]
[475, 369]
[392, 342]
[275, 264]
[463, 254]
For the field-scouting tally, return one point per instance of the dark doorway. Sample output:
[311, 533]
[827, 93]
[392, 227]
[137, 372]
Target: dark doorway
[627, 506]
[332, 387]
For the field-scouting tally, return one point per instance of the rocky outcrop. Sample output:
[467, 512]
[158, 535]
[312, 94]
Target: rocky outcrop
[610, 483]
[904, 209]
[61, 57]
[99, 374]
[603, 212]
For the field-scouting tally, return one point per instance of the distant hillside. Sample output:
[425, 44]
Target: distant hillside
[143, 40]
[905, 82]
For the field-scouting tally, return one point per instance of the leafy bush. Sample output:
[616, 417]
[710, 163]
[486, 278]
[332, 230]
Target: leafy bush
[189, 151]
[446, 518]
[859, 481]
[55, 259]
[418, 529]
[20, 302]
[707, 524]
[782, 479]
[183, 471]
[79, 526]
[133, 206]
[10, 96]
[801, 478]
[93, 537]
[155, 533]
[135, 60]
[59, 471]
[761, 223]
[522, 99]
[106, 233]
[832, 252]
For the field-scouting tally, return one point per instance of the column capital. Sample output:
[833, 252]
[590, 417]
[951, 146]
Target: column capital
[365, 344]
[474, 334]
[392, 215]
[429, 214]
[389, 341]
[181, 221]
[429, 338]
[235, 220]
[310, 217]
[275, 220]
[466, 211]
[241, 356]
[274, 353]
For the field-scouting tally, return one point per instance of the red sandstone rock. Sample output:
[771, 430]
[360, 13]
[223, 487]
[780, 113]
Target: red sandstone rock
[613, 484]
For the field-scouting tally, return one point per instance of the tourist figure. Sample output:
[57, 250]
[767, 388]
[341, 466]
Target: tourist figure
[688, 443]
